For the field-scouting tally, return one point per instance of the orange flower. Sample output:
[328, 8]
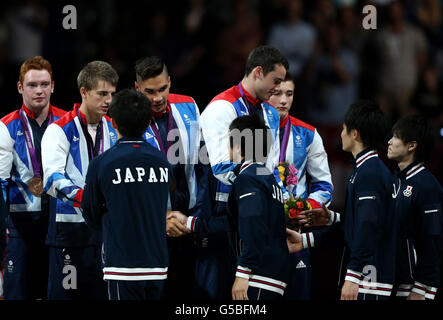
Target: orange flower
[292, 213]
[300, 205]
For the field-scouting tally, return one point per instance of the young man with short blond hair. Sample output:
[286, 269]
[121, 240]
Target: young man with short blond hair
[68, 146]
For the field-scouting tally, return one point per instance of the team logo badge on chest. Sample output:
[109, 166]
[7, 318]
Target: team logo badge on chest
[298, 141]
[408, 191]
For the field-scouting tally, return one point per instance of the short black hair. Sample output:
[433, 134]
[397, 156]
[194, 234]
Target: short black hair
[131, 111]
[289, 77]
[366, 117]
[253, 135]
[266, 57]
[416, 128]
[149, 67]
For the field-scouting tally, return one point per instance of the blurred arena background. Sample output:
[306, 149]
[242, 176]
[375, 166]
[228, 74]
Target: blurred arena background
[205, 44]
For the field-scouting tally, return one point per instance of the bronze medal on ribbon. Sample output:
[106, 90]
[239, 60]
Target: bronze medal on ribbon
[36, 186]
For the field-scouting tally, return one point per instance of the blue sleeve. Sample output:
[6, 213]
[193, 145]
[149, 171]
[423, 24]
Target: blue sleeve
[206, 223]
[93, 203]
[428, 232]
[202, 172]
[4, 188]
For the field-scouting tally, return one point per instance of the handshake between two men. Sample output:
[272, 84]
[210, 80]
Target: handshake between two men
[176, 225]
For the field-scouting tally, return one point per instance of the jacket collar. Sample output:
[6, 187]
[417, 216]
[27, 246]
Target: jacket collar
[365, 155]
[284, 121]
[411, 170]
[30, 114]
[131, 140]
[162, 114]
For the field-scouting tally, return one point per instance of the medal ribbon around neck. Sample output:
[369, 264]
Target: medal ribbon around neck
[284, 144]
[158, 136]
[97, 148]
[248, 106]
[36, 163]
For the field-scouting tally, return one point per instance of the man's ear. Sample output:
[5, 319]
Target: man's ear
[83, 92]
[355, 135]
[258, 72]
[412, 146]
[20, 87]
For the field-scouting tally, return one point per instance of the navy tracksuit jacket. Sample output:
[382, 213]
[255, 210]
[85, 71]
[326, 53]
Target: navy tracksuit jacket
[418, 206]
[126, 194]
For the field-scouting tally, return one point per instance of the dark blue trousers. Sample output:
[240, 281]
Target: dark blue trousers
[215, 263]
[259, 294]
[152, 290]
[26, 261]
[26, 269]
[299, 284]
[76, 274]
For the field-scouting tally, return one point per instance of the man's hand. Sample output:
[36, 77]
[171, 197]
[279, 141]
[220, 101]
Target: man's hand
[349, 291]
[180, 216]
[174, 228]
[240, 289]
[315, 217]
[293, 240]
[415, 296]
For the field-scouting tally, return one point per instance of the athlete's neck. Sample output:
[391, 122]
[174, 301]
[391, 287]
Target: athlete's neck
[248, 85]
[358, 148]
[406, 161]
[90, 117]
[40, 114]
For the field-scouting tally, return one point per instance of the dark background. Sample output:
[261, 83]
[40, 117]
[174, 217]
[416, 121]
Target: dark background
[205, 45]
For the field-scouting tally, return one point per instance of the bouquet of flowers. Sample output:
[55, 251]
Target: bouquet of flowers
[293, 207]
[288, 175]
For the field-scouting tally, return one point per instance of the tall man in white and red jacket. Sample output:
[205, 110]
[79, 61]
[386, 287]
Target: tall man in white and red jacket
[265, 68]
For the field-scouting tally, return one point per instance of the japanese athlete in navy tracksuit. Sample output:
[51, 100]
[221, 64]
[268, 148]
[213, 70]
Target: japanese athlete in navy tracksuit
[257, 217]
[418, 200]
[418, 204]
[368, 225]
[26, 266]
[126, 195]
